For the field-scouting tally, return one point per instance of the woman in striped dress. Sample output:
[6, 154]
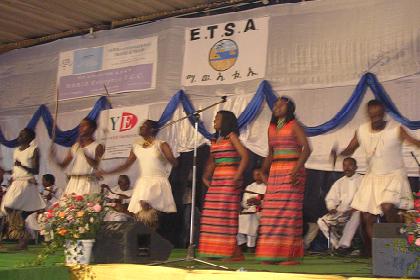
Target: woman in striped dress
[280, 232]
[227, 162]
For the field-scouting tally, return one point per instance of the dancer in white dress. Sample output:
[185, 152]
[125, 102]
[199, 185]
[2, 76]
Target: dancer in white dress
[83, 157]
[152, 191]
[385, 187]
[22, 197]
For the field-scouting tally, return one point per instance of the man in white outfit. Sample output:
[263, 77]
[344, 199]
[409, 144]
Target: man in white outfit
[340, 214]
[385, 188]
[248, 217]
[118, 199]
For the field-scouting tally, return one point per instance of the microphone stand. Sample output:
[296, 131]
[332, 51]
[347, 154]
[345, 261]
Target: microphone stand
[190, 257]
[418, 165]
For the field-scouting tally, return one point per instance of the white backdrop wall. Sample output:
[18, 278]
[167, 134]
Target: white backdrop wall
[317, 52]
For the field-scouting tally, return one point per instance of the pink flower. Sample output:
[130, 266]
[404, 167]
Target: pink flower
[418, 241]
[97, 208]
[89, 204]
[410, 239]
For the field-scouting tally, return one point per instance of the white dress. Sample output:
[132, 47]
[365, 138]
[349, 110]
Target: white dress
[23, 194]
[152, 186]
[82, 180]
[31, 221]
[385, 180]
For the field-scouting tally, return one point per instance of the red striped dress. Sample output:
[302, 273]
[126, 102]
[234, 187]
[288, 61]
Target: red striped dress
[219, 221]
[280, 232]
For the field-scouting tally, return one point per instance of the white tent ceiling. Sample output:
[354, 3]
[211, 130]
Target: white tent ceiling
[24, 23]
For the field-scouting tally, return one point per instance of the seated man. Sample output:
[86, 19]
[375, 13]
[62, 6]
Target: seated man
[49, 191]
[118, 198]
[340, 214]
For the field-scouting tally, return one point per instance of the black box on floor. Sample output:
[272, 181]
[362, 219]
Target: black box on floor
[389, 257]
[129, 242]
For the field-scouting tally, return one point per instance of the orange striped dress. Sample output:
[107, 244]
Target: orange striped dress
[219, 220]
[280, 232]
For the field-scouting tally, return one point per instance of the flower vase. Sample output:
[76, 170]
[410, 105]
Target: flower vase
[78, 251]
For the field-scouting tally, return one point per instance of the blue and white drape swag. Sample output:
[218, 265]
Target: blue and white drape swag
[264, 93]
[64, 138]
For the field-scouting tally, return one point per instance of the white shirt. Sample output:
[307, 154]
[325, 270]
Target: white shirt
[252, 191]
[383, 148]
[25, 157]
[56, 194]
[342, 192]
[117, 190]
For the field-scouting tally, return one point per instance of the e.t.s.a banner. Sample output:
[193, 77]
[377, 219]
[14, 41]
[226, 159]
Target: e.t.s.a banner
[225, 53]
[121, 67]
[119, 129]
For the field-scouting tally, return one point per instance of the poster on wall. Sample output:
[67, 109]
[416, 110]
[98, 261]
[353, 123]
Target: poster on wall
[122, 67]
[119, 129]
[225, 53]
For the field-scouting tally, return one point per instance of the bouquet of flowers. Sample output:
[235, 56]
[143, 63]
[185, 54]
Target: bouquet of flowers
[411, 226]
[72, 218]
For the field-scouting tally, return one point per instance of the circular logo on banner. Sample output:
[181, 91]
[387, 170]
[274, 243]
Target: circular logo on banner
[223, 55]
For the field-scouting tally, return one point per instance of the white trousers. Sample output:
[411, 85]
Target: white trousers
[349, 230]
[248, 239]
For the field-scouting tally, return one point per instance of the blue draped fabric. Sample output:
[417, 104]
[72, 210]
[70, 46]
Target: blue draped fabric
[64, 138]
[264, 93]
[350, 108]
[181, 97]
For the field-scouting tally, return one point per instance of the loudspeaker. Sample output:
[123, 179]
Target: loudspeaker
[388, 258]
[129, 242]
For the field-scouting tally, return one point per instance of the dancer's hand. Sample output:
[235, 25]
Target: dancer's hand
[206, 182]
[294, 176]
[238, 180]
[99, 174]
[146, 206]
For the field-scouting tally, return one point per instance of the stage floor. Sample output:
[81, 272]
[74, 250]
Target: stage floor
[16, 265]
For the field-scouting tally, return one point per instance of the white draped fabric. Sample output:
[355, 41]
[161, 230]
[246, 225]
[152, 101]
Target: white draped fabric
[317, 52]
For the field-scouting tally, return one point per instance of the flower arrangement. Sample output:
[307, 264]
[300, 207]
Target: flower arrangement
[72, 218]
[411, 228]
